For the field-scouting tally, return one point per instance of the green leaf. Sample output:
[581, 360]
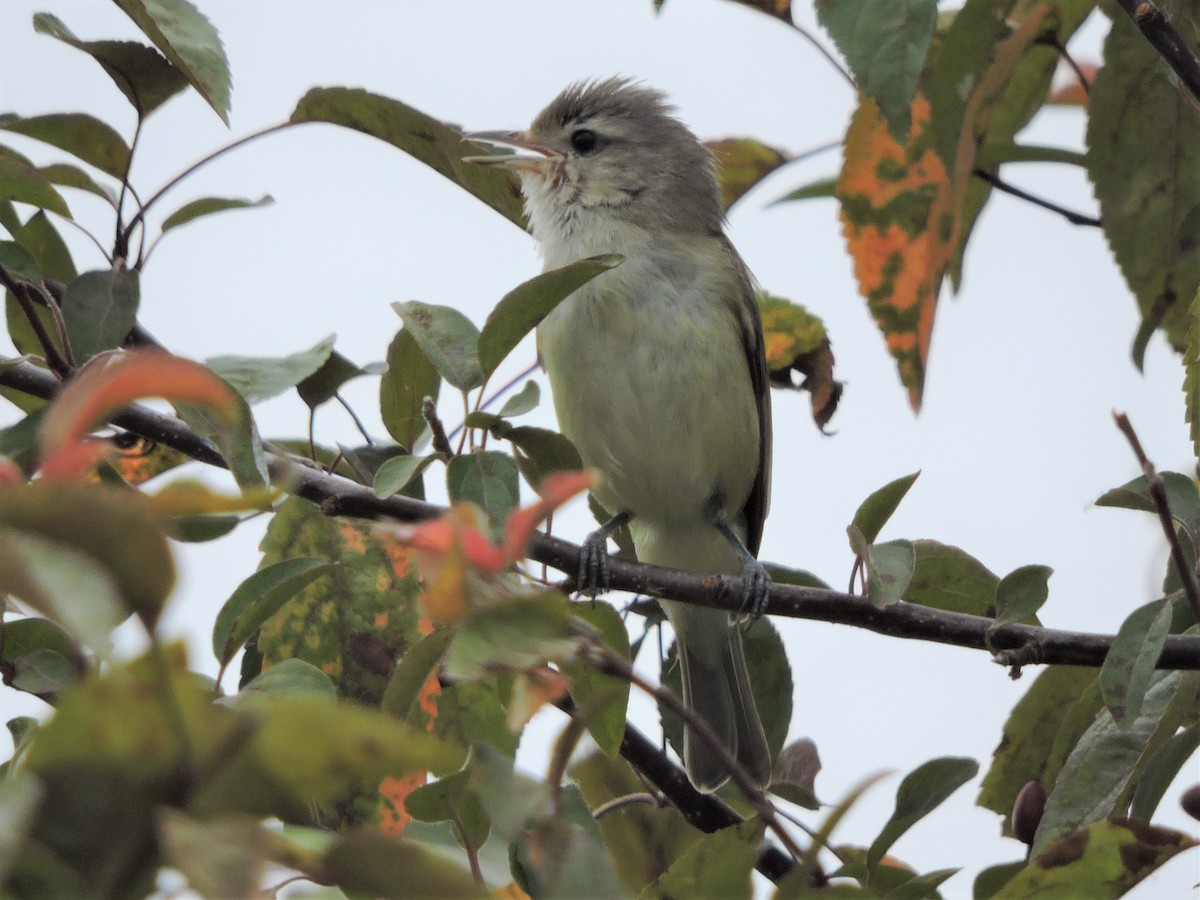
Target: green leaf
[20, 797]
[258, 598]
[1191, 375]
[206, 206]
[21, 182]
[145, 78]
[190, 42]
[990, 880]
[1102, 861]
[413, 671]
[795, 773]
[1106, 762]
[509, 798]
[238, 441]
[20, 264]
[1030, 733]
[715, 865]
[1182, 498]
[1130, 663]
[1146, 199]
[512, 634]
[131, 546]
[222, 856]
[435, 144]
[885, 47]
[448, 338]
[44, 673]
[25, 637]
[602, 699]
[488, 479]
[521, 402]
[259, 378]
[920, 793]
[522, 308]
[771, 678]
[66, 175]
[199, 529]
[322, 385]
[450, 799]
[396, 473]
[540, 452]
[100, 309]
[409, 379]
[367, 862]
[288, 676]
[874, 512]
[83, 136]
[1161, 770]
[889, 567]
[825, 188]
[948, 578]
[1020, 594]
[801, 577]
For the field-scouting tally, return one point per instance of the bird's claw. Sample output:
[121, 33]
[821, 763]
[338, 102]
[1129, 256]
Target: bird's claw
[756, 590]
[593, 564]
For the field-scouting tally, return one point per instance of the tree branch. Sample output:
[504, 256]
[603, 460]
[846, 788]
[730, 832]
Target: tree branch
[999, 184]
[339, 496]
[1155, 27]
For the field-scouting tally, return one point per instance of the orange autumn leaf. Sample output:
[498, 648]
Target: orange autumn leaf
[555, 490]
[900, 230]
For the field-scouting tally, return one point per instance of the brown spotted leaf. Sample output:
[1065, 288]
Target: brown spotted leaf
[796, 341]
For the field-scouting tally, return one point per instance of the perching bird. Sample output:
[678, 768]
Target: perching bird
[657, 371]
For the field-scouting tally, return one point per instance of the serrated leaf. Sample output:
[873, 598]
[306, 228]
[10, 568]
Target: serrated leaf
[873, 513]
[437, 145]
[143, 75]
[100, 309]
[259, 378]
[920, 793]
[521, 309]
[207, 206]
[1146, 201]
[258, 598]
[83, 136]
[715, 865]
[1020, 594]
[20, 181]
[190, 42]
[885, 47]
[448, 339]
[741, 164]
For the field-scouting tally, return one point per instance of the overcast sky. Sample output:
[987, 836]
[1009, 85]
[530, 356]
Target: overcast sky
[1015, 441]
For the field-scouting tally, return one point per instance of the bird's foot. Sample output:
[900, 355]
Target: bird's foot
[756, 590]
[593, 564]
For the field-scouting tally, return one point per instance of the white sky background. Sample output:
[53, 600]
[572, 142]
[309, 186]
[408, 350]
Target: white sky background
[1015, 441]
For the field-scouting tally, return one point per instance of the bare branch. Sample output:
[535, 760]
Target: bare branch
[1155, 27]
[1073, 217]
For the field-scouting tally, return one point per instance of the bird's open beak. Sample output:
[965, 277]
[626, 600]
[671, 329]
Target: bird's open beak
[524, 153]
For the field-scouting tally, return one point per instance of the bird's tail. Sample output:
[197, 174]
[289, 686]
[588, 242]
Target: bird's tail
[716, 686]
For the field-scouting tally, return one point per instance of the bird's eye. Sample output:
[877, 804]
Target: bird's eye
[584, 140]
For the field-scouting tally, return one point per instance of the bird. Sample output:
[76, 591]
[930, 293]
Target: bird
[658, 373]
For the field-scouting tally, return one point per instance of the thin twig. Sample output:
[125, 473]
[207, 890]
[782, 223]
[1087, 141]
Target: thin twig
[1073, 217]
[1065, 54]
[1158, 493]
[616, 803]
[19, 290]
[362, 429]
